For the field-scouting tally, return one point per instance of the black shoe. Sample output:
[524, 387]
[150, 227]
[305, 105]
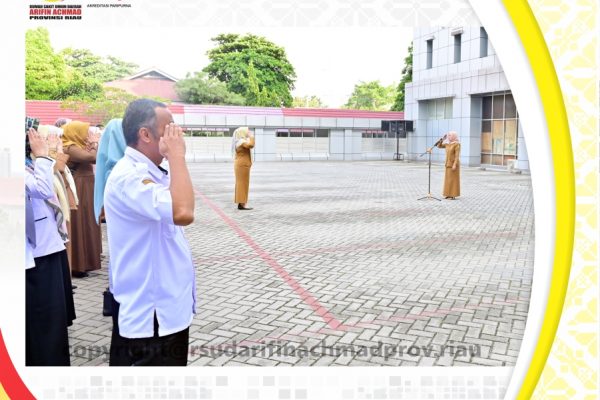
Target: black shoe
[240, 207]
[77, 274]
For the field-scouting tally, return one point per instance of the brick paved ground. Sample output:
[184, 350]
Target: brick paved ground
[342, 254]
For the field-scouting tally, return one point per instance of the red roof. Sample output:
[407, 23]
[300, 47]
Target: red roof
[147, 87]
[48, 111]
[341, 113]
[231, 110]
[176, 108]
[292, 112]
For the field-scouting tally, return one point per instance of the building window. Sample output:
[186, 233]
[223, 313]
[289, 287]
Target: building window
[499, 129]
[323, 133]
[483, 42]
[429, 53]
[457, 47]
[439, 108]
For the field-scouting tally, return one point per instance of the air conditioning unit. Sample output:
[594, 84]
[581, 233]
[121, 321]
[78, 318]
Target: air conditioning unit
[511, 166]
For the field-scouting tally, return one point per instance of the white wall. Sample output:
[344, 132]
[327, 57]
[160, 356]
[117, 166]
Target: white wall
[345, 142]
[463, 82]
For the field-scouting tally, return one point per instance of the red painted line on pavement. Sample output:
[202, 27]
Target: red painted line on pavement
[304, 294]
[279, 340]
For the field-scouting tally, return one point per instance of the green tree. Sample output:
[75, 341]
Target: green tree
[95, 67]
[406, 78]
[47, 75]
[121, 68]
[308, 101]
[235, 58]
[111, 105]
[45, 71]
[77, 86]
[255, 95]
[371, 96]
[200, 89]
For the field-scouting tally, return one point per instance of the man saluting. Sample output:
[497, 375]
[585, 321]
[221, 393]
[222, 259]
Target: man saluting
[151, 268]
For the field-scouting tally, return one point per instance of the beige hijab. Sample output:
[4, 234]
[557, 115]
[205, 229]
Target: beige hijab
[238, 137]
[75, 132]
[452, 137]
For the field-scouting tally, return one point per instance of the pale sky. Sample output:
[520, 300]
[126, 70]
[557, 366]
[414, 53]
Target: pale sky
[328, 61]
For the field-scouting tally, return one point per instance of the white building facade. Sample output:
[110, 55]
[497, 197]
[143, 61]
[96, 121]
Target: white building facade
[458, 84]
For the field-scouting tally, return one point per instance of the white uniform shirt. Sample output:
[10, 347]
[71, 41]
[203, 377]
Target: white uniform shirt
[39, 186]
[151, 267]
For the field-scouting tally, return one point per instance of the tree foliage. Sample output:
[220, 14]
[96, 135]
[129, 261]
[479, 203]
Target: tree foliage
[371, 96]
[77, 86]
[111, 105]
[45, 71]
[95, 67]
[406, 78]
[255, 95]
[48, 77]
[308, 102]
[69, 74]
[201, 89]
[253, 67]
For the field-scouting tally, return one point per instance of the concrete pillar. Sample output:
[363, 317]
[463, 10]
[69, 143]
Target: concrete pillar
[522, 156]
[264, 149]
[336, 144]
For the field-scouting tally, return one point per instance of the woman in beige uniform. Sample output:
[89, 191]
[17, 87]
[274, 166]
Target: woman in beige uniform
[80, 143]
[452, 176]
[242, 143]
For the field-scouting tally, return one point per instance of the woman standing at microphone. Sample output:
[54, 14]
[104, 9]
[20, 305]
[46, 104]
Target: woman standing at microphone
[452, 176]
[242, 143]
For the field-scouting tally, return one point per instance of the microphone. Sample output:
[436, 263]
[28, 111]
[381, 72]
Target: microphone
[440, 140]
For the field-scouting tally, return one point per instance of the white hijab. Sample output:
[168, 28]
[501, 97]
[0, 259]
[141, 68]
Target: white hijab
[240, 135]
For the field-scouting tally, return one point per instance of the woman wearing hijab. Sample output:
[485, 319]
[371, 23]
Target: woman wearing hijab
[242, 142]
[81, 143]
[64, 184]
[110, 150]
[49, 306]
[452, 176]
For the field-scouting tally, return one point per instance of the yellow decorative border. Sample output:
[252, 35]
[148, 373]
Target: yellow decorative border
[3, 395]
[562, 156]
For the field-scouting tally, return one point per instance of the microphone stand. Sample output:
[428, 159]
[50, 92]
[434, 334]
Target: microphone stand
[429, 195]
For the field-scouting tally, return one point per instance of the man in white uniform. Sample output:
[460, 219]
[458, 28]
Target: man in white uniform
[151, 269]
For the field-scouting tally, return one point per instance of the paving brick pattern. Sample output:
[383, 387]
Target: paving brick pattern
[343, 254]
